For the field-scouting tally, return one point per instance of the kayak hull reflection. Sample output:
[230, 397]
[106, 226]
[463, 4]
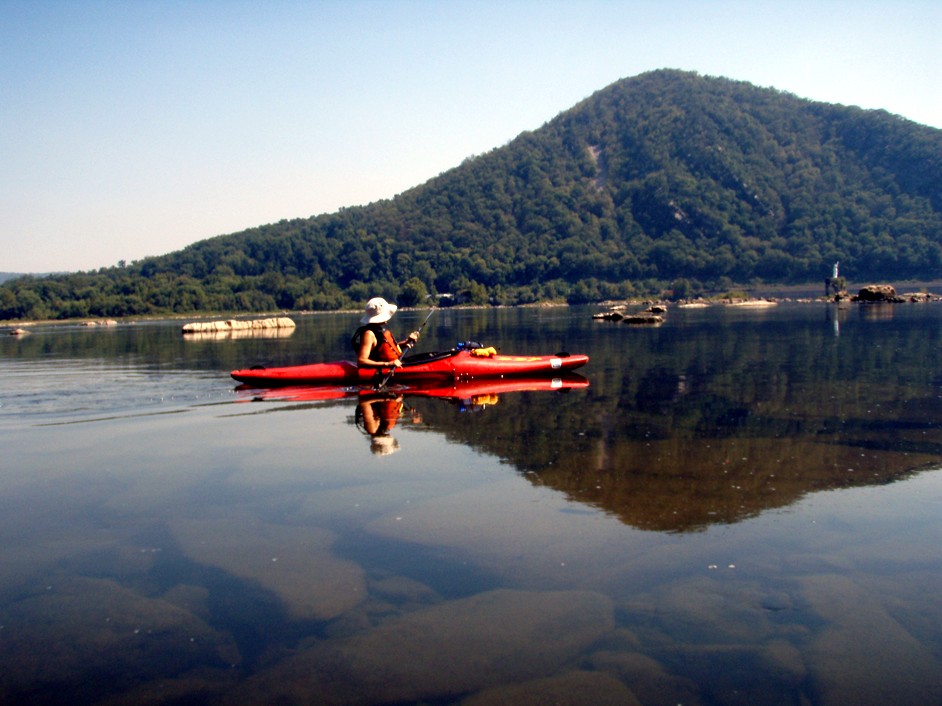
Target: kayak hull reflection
[453, 365]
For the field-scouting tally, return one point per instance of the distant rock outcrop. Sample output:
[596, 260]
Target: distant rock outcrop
[877, 293]
[608, 316]
[651, 315]
[238, 325]
[919, 297]
[753, 303]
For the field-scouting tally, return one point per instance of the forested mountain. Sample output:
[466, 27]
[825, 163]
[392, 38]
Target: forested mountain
[665, 181]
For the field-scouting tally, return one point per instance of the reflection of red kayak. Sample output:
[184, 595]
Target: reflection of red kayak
[452, 389]
[464, 389]
[453, 365]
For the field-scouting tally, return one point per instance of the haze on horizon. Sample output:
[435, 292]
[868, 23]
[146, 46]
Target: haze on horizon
[133, 129]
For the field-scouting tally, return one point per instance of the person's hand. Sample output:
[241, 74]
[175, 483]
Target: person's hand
[397, 363]
[414, 336]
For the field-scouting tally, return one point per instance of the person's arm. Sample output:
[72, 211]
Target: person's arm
[367, 343]
[370, 420]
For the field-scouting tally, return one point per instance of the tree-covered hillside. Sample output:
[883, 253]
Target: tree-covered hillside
[668, 180]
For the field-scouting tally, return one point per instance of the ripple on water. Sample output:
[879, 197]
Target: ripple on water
[64, 391]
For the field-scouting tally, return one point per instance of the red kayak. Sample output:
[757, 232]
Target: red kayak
[462, 364]
[451, 389]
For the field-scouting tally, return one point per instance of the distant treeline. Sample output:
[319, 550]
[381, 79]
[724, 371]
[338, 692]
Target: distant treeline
[666, 183]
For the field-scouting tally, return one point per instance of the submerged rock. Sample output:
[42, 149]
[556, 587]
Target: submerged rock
[297, 566]
[65, 636]
[864, 654]
[456, 647]
[572, 689]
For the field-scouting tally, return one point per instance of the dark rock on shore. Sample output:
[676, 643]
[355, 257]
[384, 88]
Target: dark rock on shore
[877, 293]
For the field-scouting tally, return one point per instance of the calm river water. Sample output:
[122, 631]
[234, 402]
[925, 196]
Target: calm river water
[741, 507]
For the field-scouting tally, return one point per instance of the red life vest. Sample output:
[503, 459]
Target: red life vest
[388, 412]
[384, 413]
[386, 348]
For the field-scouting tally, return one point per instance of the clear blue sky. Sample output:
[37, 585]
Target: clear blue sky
[133, 128]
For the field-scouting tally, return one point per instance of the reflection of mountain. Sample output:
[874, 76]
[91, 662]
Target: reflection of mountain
[683, 483]
[713, 424]
[713, 417]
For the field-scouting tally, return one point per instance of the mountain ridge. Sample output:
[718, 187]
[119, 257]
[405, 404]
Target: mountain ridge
[664, 181]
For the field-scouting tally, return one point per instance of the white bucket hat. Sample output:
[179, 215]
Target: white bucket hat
[378, 311]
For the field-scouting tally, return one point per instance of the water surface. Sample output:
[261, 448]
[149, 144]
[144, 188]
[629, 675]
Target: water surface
[741, 508]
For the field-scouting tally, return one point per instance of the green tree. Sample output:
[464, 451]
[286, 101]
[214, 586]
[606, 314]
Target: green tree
[413, 292]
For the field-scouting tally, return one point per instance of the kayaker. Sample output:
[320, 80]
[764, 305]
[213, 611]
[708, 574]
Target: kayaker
[374, 343]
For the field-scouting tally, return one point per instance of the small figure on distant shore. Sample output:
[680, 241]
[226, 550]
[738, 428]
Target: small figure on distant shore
[835, 284]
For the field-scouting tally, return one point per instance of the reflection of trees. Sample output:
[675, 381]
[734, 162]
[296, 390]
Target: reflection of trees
[716, 424]
[711, 421]
[161, 343]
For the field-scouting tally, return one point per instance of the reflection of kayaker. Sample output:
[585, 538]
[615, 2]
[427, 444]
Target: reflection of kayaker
[476, 403]
[376, 415]
[379, 416]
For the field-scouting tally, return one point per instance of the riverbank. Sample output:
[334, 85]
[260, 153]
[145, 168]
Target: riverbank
[802, 293]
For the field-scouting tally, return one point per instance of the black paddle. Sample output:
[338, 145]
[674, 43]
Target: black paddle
[388, 376]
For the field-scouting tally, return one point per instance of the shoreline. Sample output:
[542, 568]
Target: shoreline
[798, 293]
